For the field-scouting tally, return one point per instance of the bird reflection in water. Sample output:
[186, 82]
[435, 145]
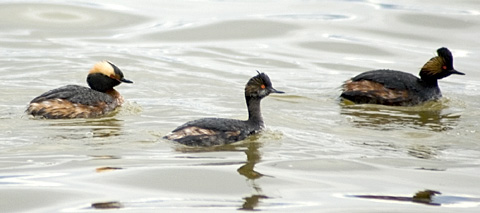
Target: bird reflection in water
[248, 170]
[429, 116]
[428, 197]
[424, 197]
[88, 128]
[423, 151]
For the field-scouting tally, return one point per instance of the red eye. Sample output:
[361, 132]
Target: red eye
[444, 67]
[263, 86]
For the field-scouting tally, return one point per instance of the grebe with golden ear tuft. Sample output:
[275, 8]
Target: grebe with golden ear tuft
[390, 87]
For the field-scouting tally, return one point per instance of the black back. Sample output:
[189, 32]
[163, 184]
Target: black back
[416, 89]
[75, 94]
[391, 79]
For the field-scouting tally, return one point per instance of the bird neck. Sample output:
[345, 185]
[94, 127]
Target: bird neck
[254, 112]
[430, 81]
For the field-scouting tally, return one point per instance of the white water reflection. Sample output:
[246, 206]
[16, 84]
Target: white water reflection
[32, 180]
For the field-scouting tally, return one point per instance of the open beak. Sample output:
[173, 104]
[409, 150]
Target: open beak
[125, 81]
[453, 71]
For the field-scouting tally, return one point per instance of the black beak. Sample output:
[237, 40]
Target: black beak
[125, 81]
[272, 90]
[456, 72]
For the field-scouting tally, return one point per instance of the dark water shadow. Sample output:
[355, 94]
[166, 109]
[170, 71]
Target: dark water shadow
[427, 197]
[107, 205]
[429, 116]
[423, 197]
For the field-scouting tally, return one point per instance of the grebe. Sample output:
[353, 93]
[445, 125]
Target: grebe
[219, 131]
[73, 101]
[390, 87]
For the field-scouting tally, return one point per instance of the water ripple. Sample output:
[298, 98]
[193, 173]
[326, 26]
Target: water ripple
[53, 20]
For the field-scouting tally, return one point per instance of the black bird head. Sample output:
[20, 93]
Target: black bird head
[259, 86]
[439, 66]
[104, 76]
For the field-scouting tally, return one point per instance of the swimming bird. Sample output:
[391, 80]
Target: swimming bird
[74, 101]
[220, 131]
[397, 88]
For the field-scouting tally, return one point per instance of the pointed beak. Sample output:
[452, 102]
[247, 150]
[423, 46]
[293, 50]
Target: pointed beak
[125, 81]
[272, 90]
[453, 71]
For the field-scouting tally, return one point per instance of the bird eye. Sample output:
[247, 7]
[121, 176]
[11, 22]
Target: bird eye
[444, 67]
[262, 86]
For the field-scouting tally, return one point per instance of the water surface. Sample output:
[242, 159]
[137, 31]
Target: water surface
[191, 59]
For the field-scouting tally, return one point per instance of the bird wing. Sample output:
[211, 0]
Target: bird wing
[215, 124]
[75, 94]
[391, 79]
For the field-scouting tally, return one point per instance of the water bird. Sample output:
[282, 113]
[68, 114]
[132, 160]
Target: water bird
[220, 131]
[74, 101]
[397, 88]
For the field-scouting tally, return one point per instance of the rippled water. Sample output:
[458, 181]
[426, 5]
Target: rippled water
[191, 59]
